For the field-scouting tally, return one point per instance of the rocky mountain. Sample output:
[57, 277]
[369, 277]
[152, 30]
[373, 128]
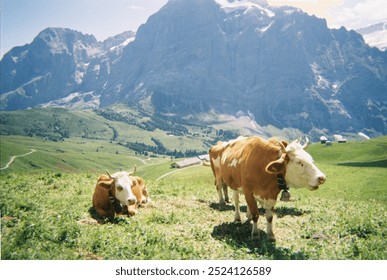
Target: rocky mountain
[375, 35]
[196, 58]
[61, 67]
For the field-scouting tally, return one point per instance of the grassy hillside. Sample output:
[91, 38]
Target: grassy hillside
[54, 124]
[355, 170]
[354, 153]
[73, 155]
[134, 128]
[46, 214]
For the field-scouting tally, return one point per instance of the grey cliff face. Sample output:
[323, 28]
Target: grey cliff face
[284, 67]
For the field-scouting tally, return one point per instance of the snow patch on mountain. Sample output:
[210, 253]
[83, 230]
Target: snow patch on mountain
[264, 29]
[76, 101]
[321, 84]
[230, 6]
[124, 44]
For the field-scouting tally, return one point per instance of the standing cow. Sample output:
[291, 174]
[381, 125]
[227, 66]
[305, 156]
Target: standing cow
[118, 193]
[251, 166]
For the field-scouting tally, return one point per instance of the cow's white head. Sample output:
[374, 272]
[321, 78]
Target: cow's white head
[121, 186]
[298, 166]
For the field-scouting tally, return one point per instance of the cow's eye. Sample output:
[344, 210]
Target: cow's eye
[119, 188]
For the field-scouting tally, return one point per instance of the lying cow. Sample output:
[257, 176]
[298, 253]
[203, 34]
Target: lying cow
[251, 166]
[119, 193]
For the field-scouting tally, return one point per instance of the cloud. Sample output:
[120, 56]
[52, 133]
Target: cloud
[135, 8]
[319, 8]
[351, 14]
[355, 14]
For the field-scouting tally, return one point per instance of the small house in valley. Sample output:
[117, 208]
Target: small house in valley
[187, 162]
[323, 139]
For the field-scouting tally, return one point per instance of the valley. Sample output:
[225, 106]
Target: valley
[72, 107]
[252, 59]
[116, 126]
[47, 214]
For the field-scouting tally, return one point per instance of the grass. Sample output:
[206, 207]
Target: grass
[47, 214]
[73, 155]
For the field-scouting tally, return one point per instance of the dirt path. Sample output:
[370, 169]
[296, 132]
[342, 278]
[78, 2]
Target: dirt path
[13, 158]
[142, 160]
[174, 171]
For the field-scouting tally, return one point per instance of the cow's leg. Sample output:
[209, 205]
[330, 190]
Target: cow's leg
[269, 219]
[225, 191]
[106, 212]
[237, 207]
[252, 205]
[248, 214]
[132, 210]
[219, 186]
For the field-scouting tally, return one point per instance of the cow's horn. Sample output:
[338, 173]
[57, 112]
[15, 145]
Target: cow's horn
[134, 170]
[278, 143]
[306, 144]
[283, 149]
[108, 173]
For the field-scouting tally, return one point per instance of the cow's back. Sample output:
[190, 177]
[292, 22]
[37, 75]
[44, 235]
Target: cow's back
[243, 163]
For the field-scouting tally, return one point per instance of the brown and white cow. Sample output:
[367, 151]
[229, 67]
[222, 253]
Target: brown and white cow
[250, 165]
[118, 193]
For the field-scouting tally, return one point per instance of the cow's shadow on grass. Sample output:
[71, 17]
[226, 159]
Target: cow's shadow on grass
[280, 212]
[283, 211]
[231, 207]
[118, 219]
[238, 236]
[223, 207]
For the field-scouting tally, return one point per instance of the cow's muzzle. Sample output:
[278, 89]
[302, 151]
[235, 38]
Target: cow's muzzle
[132, 201]
[322, 179]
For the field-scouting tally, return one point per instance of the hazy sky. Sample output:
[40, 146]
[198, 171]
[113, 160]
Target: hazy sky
[22, 20]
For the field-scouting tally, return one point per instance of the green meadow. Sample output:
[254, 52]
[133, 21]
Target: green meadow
[46, 210]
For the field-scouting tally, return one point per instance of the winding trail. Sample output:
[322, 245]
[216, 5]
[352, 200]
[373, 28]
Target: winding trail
[142, 160]
[13, 158]
[174, 171]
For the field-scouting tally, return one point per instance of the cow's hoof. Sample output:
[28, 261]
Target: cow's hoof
[255, 236]
[271, 238]
[285, 196]
[132, 213]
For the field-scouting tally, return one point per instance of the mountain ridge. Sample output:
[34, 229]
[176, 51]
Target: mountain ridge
[279, 65]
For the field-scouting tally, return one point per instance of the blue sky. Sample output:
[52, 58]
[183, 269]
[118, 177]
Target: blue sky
[22, 20]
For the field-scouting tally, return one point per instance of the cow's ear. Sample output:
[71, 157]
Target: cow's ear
[107, 185]
[134, 182]
[276, 167]
[285, 143]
